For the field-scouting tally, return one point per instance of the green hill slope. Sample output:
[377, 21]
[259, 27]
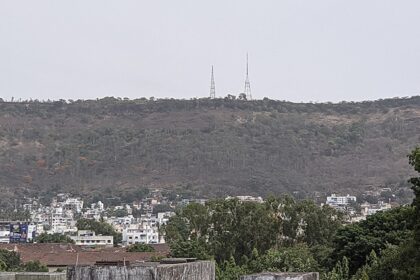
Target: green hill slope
[111, 147]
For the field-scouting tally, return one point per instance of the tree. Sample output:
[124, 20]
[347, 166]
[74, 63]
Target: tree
[140, 247]
[242, 96]
[34, 266]
[229, 270]
[232, 228]
[223, 229]
[357, 240]
[340, 271]
[414, 159]
[3, 266]
[10, 259]
[53, 238]
[190, 249]
[297, 258]
[239, 227]
[312, 224]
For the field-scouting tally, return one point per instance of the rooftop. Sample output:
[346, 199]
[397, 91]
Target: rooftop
[54, 254]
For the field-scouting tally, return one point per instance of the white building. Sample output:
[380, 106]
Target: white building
[140, 234]
[247, 198]
[73, 204]
[335, 200]
[5, 232]
[62, 221]
[146, 229]
[89, 238]
[99, 205]
[370, 209]
[163, 217]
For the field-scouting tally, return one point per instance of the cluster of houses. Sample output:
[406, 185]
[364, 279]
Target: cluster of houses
[61, 217]
[138, 222]
[356, 212]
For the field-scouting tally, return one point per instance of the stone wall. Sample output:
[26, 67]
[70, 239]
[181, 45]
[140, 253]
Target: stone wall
[201, 270]
[282, 276]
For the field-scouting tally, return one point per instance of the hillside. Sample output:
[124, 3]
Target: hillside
[113, 147]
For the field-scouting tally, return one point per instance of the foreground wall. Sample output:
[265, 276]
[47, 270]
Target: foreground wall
[203, 270]
[282, 276]
[7, 276]
[32, 276]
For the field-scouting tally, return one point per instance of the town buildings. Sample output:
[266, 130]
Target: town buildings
[60, 217]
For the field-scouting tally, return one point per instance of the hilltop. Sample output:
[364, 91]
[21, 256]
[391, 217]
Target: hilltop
[113, 147]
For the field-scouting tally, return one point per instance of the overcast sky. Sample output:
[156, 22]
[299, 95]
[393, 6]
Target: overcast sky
[323, 50]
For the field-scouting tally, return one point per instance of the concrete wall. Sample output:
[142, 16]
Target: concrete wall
[282, 276]
[201, 270]
[32, 276]
[188, 271]
[109, 273]
[41, 276]
[7, 275]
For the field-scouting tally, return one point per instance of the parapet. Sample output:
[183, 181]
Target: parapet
[32, 276]
[189, 270]
[283, 276]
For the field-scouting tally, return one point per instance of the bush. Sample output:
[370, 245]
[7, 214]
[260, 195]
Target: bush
[34, 266]
[140, 247]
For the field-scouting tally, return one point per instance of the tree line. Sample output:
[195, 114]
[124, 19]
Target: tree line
[283, 234]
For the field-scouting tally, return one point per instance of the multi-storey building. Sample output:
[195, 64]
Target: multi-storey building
[73, 204]
[335, 200]
[140, 234]
[62, 221]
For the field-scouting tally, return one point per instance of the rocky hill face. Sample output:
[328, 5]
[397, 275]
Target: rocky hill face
[113, 147]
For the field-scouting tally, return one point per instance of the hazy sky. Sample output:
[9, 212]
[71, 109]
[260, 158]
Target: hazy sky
[312, 50]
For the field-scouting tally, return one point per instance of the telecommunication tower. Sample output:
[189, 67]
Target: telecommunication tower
[212, 85]
[247, 90]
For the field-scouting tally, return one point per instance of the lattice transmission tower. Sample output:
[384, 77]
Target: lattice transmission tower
[212, 85]
[247, 90]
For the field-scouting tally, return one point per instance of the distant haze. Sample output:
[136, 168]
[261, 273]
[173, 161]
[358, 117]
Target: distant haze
[325, 50]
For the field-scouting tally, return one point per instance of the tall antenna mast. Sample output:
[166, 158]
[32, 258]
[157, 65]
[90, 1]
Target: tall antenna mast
[247, 90]
[212, 85]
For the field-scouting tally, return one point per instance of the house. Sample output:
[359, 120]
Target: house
[56, 255]
[89, 238]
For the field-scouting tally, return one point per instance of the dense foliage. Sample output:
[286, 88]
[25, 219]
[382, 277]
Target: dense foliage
[34, 266]
[53, 238]
[140, 247]
[356, 241]
[10, 261]
[287, 235]
[250, 237]
[100, 148]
